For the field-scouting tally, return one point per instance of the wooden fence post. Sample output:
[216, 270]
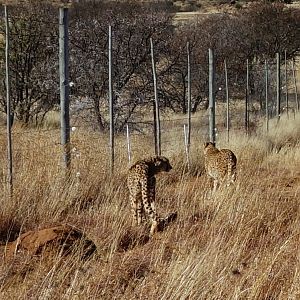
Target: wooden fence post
[128, 144]
[189, 95]
[157, 117]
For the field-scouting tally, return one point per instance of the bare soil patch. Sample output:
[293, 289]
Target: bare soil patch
[62, 238]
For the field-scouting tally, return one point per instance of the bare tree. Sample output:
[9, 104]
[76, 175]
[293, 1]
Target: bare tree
[255, 33]
[272, 28]
[33, 61]
[132, 28]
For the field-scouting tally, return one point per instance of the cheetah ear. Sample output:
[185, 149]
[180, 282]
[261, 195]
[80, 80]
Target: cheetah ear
[157, 163]
[206, 144]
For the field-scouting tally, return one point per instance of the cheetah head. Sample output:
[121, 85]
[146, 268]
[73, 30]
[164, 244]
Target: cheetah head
[209, 144]
[162, 164]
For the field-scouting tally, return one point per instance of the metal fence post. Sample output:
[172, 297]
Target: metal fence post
[227, 101]
[185, 133]
[211, 86]
[295, 85]
[278, 86]
[286, 85]
[247, 98]
[267, 94]
[111, 103]
[64, 85]
[8, 105]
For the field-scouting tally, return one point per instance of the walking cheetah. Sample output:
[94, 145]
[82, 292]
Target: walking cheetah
[141, 184]
[219, 164]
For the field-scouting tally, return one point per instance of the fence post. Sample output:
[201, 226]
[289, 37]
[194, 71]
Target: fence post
[227, 101]
[128, 144]
[295, 85]
[157, 118]
[278, 87]
[267, 89]
[211, 87]
[8, 105]
[247, 98]
[286, 85]
[186, 146]
[64, 85]
[189, 95]
[111, 103]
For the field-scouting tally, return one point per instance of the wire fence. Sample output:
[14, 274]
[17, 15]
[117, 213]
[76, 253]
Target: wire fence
[41, 149]
[170, 131]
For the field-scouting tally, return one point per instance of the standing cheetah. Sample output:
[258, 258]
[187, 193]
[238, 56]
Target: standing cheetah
[141, 184]
[219, 164]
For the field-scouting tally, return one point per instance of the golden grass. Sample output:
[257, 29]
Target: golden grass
[241, 243]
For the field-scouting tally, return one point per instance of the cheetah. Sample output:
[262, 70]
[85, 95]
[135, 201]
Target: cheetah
[141, 184]
[219, 164]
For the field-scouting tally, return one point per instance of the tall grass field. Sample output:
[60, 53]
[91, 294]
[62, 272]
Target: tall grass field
[243, 242]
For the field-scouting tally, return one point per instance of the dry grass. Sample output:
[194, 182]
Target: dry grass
[241, 243]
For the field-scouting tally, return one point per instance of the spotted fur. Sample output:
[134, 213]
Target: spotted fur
[141, 184]
[219, 164]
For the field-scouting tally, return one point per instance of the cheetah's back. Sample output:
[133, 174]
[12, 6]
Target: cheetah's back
[221, 163]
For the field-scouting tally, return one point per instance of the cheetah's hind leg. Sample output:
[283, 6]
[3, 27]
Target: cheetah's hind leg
[216, 183]
[137, 209]
[231, 179]
[154, 227]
